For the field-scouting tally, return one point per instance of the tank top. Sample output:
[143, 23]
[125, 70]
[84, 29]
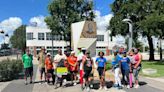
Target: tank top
[88, 63]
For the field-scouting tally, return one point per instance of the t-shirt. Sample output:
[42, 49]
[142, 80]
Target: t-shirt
[80, 56]
[72, 60]
[42, 58]
[101, 61]
[116, 60]
[48, 63]
[27, 60]
[125, 63]
[59, 58]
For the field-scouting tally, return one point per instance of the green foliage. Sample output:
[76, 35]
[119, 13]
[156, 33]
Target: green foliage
[65, 12]
[18, 39]
[154, 65]
[109, 65]
[10, 69]
[147, 18]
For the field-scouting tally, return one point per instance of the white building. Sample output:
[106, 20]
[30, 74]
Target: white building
[40, 37]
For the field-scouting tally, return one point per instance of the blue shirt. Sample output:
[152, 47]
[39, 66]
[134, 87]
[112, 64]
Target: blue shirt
[116, 60]
[101, 61]
[125, 63]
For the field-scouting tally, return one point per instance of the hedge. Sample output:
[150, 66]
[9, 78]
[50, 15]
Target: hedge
[10, 69]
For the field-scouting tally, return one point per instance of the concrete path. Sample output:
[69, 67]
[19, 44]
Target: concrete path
[147, 85]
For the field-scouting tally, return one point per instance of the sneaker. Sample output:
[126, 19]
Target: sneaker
[88, 89]
[91, 86]
[31, 82]
[136, 86]
[120, 87]
[100, 88]
[128, 86]
[75, 84]
[25, 83]
[115, 85]
[105, 88]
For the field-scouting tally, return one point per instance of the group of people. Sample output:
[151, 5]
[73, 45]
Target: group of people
[124, 62]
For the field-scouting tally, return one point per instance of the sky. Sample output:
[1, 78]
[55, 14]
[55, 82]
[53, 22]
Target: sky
[14, 13]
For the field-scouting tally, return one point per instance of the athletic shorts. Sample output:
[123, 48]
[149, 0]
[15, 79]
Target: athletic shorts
[87, 73]
[28, 71]
[100, 71]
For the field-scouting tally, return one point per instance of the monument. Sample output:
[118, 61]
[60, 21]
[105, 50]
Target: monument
[83, 35]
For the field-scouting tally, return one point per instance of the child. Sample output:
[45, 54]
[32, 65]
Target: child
[49, 69]
[125, 69]
[116, 68]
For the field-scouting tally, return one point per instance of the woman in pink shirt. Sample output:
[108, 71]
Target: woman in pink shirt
[136, 65]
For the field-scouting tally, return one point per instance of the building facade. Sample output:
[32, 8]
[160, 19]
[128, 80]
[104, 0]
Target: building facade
[37, 38]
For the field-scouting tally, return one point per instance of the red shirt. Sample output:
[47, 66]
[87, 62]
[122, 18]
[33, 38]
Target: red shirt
[48, 63]
[72, 60]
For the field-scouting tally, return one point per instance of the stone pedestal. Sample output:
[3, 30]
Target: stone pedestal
[84, 35]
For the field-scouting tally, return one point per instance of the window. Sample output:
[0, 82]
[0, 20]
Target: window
[40, 36]
[100, 37]
[29, 36]
[48, 36]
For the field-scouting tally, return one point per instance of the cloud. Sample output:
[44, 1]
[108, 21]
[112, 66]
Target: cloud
[102, 21]
[9, 25]
[39, 20]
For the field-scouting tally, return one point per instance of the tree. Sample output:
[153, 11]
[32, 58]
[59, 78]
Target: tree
[141, 12]
[65, 12]
[18, 39]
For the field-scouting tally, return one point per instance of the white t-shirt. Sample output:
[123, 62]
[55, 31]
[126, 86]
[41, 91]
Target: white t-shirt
[58, 58]
[80, 56]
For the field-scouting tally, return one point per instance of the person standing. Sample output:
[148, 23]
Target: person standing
[87, 64]
[125, 69]
[73, 67]
[41, 59]
[116, 68]
[101, 63]
[59, 59]
[136, 66]
[28, 66]
[49, 69]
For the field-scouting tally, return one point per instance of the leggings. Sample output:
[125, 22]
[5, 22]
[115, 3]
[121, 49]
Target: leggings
[116, 75]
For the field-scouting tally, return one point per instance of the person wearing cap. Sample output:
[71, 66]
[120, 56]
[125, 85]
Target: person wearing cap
[101, 63]
[87, 65]
[125, 69]
[73, 67]
[27, 59]
[49, 68]
[116, 68]
[41, 59]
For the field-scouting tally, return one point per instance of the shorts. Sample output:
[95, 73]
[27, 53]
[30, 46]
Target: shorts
[73, 72]
[28, 71]
[87, 73]
[100, 71]
[136, 72]
[42, 70]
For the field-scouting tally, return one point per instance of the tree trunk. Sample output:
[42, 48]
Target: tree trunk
[160, 49]
[151, 48]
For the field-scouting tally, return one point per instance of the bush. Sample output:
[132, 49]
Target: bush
[10, 69]
[108, 66]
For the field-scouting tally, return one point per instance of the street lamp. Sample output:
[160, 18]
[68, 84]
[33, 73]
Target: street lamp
[130, 32]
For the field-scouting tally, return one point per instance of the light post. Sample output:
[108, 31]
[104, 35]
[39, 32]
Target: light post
[130, 32]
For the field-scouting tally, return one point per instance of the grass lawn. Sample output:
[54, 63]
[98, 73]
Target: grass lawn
[154, 65]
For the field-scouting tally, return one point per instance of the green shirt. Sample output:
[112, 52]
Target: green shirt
[27, 60]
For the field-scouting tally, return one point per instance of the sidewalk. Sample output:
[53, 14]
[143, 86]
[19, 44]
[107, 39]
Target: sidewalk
[154, 82]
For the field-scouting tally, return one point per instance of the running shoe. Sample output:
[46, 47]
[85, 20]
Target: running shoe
[136, 86]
